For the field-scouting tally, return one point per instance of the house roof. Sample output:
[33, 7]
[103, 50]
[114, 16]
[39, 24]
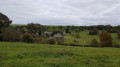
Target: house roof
[58, 35]
[48, 32]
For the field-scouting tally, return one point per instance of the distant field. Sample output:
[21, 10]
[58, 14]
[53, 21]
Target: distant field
[19, 54]
[85, 38]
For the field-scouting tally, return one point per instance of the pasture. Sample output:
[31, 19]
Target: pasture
[19, 54]
[85, 38]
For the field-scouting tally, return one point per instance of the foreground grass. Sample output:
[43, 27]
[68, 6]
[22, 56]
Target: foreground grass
[20, 54]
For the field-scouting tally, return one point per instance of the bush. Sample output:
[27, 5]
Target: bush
[76, 35]
[70, 44]
[10, 35]
[33, 36]
[51, 41]
[94, 43]
[112, 30]
[75, 41]
[77, 30]
[60, 42]
[118, 34]
[27, 38]
[1, 39]
[39, 40]
[67, 30]
[106, 40]
[116, 44]
[93, 32]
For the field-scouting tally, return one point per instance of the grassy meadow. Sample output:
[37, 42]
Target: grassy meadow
[19, 54]
[85, 38]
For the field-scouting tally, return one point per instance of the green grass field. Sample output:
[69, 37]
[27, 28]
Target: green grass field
[85, 38]
[19, 54]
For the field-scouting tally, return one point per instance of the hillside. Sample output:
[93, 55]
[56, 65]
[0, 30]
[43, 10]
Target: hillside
[85, 38]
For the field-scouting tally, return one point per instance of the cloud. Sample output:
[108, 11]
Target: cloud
[62, 12]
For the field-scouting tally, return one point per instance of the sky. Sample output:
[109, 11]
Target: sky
[62, 12]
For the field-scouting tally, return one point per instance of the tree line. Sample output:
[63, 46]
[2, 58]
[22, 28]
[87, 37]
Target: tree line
[34, 32]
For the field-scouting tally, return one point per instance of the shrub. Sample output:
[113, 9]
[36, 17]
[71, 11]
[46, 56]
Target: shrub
[112, 30]
[27, 38]
[94, 43]
[70, 44]
[93, 32]
[33, 36]
[105, 40]
[118, 34]
[75, 41]
[76, 35]
[67, 31]
[60, 42]
[10, 35]
[39, 40]
[116, 44]
[77, 31]
[1, 39]
[51, 41]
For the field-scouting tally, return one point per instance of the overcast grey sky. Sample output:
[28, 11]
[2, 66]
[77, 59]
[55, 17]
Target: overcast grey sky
[62, 12]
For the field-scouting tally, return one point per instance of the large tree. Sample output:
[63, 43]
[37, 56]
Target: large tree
[4, 21]
[35, 28]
